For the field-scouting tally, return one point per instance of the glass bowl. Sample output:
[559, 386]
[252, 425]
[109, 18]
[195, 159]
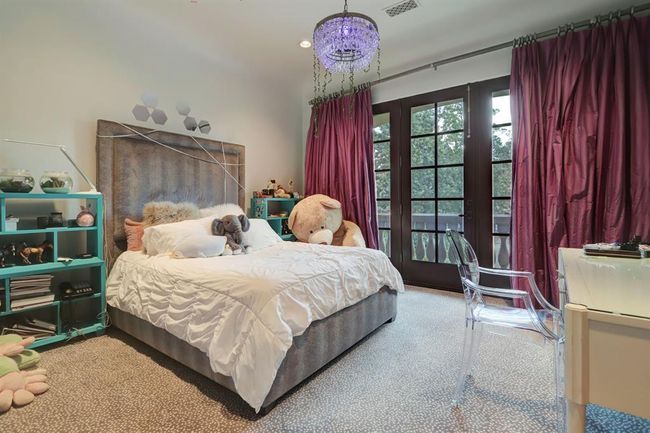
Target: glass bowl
[16, 180]
[56, 182]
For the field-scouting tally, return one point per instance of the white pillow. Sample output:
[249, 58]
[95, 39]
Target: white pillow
[163, 238]
[221, 210]
[260, 235]
[200, 246]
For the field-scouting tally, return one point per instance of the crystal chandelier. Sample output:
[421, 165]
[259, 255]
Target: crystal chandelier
[344, 43]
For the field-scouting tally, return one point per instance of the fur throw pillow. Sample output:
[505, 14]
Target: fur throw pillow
[165, 212]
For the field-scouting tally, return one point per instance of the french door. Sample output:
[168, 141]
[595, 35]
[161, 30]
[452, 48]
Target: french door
[434, 172]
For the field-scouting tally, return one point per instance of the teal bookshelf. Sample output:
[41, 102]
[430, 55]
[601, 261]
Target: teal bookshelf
[270, 208]
[72, 317]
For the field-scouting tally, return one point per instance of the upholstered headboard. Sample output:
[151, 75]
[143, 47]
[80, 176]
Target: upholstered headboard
[132, 170]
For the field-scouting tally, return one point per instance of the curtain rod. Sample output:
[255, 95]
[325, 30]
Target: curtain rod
[542, 35]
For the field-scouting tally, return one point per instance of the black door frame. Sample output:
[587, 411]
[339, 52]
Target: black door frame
[477, 179]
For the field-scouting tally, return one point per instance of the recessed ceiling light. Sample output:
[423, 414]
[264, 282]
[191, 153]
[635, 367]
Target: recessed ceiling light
[305, 44]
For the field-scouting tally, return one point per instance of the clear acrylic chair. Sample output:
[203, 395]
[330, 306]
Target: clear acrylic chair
[546, 321]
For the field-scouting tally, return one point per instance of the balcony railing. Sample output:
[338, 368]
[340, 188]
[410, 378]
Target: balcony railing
[424, 243]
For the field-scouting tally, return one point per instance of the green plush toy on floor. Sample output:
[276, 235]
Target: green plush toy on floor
[17, 386]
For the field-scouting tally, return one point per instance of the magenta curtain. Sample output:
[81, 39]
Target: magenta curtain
[339, 159]
[581, 131]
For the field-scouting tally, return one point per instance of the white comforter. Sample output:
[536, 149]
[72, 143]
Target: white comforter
[243, 311]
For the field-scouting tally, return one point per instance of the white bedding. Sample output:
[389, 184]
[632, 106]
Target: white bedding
[243, 311]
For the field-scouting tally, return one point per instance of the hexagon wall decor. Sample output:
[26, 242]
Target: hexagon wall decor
[140, 112]
[159, 116]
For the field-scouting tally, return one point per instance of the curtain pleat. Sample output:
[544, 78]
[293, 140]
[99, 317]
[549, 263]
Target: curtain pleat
[339, 159]
[581, 134]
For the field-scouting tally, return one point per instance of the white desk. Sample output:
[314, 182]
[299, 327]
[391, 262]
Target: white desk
[606, 305]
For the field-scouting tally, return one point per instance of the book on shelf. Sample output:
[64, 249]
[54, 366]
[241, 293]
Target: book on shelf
[32, 302]
[31, 327]
[30, 291]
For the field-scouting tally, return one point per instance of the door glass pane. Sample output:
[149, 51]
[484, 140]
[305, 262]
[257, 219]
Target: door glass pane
[383, 214]
[381, 138]
[501, 108]
[443, 122]
[450, 182]
[423, 246]
[501, 177]
[382, 180]
[501, 252]
[423, 183]
[444, 252]
[422, 119]
[502, 180]
[451, 148]
[423, 215]
[423, 151]
[501, 216]
[382, 155]
[384, 241]
[381, 127]
[502, 143]
[449, 212]
[450, 116]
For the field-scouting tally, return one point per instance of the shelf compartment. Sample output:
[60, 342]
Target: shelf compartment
[47, 230]
[18, 271]
[94, 328]
[32, 195]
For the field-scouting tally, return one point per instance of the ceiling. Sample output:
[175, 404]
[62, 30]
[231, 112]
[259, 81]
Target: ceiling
[264, 34]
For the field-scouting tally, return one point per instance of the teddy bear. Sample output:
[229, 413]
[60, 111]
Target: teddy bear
[318, 219]
[232, 227]
[16, 386]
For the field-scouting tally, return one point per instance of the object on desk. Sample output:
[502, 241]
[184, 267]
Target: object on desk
[632, 245]
[16, 180]
[84, 256]
[64, 259]
[25, 252]
[85, 218]
[56, 182]
[11, 223]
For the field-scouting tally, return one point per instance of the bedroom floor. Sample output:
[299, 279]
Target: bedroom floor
[399, 380]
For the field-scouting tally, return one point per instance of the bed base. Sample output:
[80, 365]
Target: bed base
[321, 342]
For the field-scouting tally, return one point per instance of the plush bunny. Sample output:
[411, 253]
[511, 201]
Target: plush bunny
[232, 227]
[19, 387]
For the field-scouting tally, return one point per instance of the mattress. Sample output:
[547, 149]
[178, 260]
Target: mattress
[244, 311]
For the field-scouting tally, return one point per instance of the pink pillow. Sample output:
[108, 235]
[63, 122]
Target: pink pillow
[134, 231]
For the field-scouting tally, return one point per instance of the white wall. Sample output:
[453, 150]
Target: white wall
[492, 65]
[65, 64]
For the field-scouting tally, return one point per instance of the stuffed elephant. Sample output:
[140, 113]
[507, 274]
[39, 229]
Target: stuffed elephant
[232, 227]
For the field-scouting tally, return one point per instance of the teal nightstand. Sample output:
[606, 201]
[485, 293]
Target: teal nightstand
[72, 317]
[270, 210]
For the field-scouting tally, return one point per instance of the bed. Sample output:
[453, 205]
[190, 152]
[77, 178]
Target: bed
[258, 324]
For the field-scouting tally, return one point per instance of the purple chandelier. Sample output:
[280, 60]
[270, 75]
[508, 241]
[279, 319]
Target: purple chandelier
[344, 43]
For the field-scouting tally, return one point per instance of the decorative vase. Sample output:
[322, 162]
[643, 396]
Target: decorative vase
[56, 182]
[16, 180]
